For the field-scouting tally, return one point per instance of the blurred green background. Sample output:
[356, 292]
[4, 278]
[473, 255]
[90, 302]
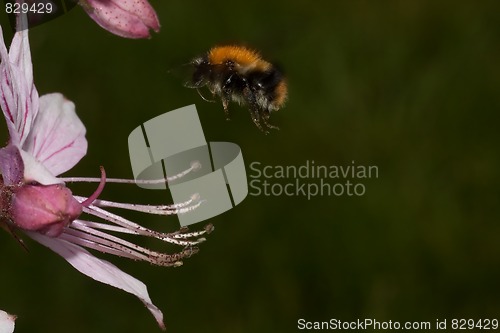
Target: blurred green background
[411, 87]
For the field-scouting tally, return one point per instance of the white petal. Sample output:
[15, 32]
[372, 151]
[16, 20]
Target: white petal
[57, 138]
[7, 322]
[20, 55]
[100, 270]
[6, 101]
[3, 48]
[19, 97]
[7, 98]
[35, 171]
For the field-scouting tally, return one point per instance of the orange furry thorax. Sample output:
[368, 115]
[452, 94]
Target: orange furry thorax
[241, 56]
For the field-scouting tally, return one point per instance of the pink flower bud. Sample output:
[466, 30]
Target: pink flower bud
[125, 18]
[46, 209]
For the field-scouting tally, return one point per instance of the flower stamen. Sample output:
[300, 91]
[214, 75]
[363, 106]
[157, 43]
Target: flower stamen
[174, 209]
[195, 166]
[81, 234]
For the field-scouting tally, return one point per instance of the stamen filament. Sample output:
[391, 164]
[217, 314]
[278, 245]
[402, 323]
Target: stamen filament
[116, 219]
[110, 241]
[91, 242]
[195, 165]
[108, 227]
[80, 238]
[173, 209]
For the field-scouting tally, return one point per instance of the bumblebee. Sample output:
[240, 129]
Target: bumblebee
[239, 74]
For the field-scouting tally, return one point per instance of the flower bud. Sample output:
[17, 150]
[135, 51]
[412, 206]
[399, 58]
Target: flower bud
[46, 209]
[125, 18]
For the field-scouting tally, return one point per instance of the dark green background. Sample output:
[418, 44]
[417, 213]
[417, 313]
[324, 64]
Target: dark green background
[409, 86]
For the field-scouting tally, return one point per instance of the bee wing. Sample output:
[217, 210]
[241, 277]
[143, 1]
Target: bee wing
[197, 75]
[186, 73]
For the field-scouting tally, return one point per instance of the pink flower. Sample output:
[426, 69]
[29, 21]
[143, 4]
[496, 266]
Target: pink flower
[125, 18]
[46, 139]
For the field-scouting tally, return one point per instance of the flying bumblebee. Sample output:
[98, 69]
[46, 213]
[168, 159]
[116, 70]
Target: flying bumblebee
[239, 74]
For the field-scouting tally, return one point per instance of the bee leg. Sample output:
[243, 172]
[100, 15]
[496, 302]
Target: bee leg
[226, 94]
[265, 114]
[254, 108]
[226, 97]
[256, 120]
[203, 97]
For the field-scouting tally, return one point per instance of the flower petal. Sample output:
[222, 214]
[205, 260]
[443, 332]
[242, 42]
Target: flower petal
[100, 270]
[57, 139]
[7, 322]
[18, 95]
[11, 165]
[125, 18]
[143, 10]
[20, 56]
[35, 171]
